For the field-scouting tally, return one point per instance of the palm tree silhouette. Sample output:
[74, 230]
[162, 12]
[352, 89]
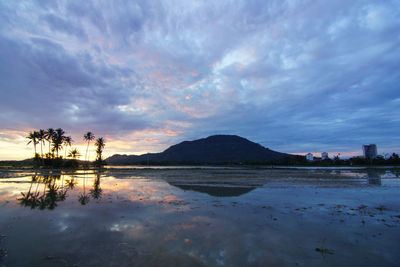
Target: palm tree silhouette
[41, 134]
[74, 153]
[88, 137]
[67, 142]
[99, 150]
[33, 137]
[49, 136]
[58, 140]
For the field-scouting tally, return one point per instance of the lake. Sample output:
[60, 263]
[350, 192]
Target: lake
[200, 217]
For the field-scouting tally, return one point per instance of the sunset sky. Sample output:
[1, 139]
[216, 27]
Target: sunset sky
[294, 76]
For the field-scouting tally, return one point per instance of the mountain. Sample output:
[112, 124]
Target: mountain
[216, 149]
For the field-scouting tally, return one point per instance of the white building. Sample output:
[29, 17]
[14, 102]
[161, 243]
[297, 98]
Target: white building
[310, 157]
[324, 156]
[370, 151]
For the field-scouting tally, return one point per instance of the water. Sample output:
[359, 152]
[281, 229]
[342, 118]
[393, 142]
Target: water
[200, 217]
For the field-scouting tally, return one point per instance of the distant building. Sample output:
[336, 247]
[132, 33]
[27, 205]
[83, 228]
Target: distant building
[370, 151]
[310, 157]
[324, 156]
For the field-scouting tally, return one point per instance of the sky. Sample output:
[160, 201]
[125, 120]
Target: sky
[294, 76]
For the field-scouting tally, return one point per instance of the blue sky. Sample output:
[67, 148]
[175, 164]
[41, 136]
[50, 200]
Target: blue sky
[294, 76]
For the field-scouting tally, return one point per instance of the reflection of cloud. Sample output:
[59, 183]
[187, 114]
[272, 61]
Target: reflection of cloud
[138, 190]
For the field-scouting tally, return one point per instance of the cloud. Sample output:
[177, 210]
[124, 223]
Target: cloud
[58, 24]
[295, 76]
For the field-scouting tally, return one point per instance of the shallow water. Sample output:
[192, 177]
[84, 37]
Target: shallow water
[200, 217]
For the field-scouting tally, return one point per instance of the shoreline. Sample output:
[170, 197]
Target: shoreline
[202, 167]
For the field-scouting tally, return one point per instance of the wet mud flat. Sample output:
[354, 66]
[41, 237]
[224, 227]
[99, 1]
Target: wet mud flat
[200, 217]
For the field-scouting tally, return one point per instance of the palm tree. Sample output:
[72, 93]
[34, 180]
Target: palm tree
[99, 150]
[29, 199]
[74, 153]
[96, 191]
[58, 140]
[71, 183]
[67, 142]
[49, 136]
[41, 134]
[88, 137]
[33, 137]
[83, 198]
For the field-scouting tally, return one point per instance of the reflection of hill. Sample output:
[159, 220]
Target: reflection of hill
[222, 190]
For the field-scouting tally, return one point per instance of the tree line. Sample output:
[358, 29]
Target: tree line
[57, 140]
[297, 160]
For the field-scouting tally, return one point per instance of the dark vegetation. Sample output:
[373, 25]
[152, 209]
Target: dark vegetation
[57, 141]
[393, 160]
[354, 161]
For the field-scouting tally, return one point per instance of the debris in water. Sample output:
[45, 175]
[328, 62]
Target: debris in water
[324, 251]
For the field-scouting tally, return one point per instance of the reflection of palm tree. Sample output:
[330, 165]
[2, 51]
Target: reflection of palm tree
[50, 196]
[37, 180]
[88, 137]
[71, 183]
[55, 194]
[83, 198]
[41, 202]
[96, 191]
[25, 199]
[29, 199]
[62, 195]
[32, 180]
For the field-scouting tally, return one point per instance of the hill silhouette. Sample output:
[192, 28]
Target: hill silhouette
[216, 149]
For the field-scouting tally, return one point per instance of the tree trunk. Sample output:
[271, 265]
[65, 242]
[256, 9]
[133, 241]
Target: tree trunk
[41, 151]
[87, 148]
[34, 145]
